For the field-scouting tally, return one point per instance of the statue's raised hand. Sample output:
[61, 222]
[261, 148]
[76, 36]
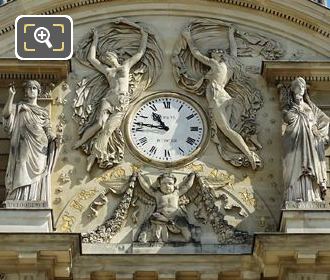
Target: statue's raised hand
[95, 34]
[12, 90]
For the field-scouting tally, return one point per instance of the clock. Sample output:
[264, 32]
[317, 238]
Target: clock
[166, 129]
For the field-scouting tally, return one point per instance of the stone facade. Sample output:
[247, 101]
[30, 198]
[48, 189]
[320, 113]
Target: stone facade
[168, 143]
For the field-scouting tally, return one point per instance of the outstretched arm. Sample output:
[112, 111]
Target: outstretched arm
[187, 183]
[195, 52]
[92, 54]
[142, 49]
[9, 104]
[145, 185]
[232, 41]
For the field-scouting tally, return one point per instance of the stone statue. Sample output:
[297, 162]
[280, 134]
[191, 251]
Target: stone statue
[222, 106]
[304, 139]
[32, 147]
[168, 215]
[103, 100]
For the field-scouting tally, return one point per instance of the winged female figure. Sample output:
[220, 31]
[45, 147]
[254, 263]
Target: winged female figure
[232, 100]
[103, 100]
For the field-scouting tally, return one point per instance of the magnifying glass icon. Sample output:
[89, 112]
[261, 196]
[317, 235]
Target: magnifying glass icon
[41, 35]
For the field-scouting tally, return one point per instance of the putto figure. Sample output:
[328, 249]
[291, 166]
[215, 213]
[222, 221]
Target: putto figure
[32, 147]
[232, 100]
[168, 216]
[304, 139]
[103, 100]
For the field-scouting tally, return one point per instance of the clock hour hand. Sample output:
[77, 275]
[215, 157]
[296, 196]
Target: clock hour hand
[158, 118]
[151, 125]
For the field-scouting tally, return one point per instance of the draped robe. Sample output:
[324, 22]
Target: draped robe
[304, 165]
[32, 153]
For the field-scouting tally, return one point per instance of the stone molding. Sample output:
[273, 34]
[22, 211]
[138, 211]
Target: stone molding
[316, 73]
[12, 69]
[247, 4]
[274, 256]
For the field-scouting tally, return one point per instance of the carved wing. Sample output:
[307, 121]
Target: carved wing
[148, 202]
[191, 196]
[89, 92]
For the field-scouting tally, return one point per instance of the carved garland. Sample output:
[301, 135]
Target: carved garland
[226, 233]
[253, 6]
[106, 231]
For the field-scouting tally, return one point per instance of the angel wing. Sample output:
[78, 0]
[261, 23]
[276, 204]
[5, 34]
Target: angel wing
[123, 38]
[142, 195]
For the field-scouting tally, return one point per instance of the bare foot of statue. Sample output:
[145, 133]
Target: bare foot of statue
[254, 160]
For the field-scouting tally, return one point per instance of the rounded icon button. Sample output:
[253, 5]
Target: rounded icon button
[41, 35]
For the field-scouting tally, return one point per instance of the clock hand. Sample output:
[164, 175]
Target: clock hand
[158, 118]
[151, 125]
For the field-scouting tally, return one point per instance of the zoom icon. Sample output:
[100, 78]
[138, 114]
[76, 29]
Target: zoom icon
[43, 37]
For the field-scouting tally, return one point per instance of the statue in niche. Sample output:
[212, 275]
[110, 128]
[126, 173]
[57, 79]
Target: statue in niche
[168, 216]
[304, 140]
[33, 147]
[128, 59]
[233, 101]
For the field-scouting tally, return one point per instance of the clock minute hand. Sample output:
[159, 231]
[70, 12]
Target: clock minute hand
[150, 125]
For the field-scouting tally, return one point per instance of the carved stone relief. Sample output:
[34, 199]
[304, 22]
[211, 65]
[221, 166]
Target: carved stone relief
[127, 59]
[304, 140]
[159, 209]
[233, 100]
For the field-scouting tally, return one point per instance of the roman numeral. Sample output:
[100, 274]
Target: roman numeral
[153, 107]
[167, 104]
[180, 108]
[190, 140]
[143, 140]
[153, 150]
[191, 116]
[194, 128]
[182, 151]
[167, 153]
[139, 128]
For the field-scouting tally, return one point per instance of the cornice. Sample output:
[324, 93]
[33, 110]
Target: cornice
[316, 73]
[272, 8]
[14, 70]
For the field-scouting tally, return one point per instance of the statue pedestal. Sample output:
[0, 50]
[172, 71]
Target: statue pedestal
[305, 217]
[26, 220]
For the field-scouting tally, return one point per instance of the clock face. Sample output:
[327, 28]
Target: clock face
[167, 128]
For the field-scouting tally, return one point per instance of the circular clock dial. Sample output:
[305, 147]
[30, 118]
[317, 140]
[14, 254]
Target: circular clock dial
[167, 128]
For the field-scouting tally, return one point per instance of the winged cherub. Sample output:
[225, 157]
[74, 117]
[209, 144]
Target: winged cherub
[168, 215]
